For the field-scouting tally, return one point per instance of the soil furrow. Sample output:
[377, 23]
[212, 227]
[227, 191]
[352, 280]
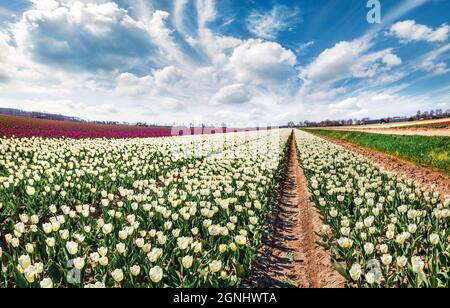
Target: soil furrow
[291, 256]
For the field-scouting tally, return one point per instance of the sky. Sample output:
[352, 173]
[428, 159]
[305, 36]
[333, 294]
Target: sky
[240, 62]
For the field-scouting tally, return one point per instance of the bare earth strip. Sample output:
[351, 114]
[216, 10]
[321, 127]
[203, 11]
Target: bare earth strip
[400, 124]
[424, 177]
[291, 256]
[443, 132]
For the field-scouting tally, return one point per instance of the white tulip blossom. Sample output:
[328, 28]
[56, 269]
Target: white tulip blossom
[156, 274]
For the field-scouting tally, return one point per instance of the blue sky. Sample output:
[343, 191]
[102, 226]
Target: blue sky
[242, 62]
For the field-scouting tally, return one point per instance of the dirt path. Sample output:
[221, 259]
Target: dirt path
[291, 256]
[424, 177]
[439, 132]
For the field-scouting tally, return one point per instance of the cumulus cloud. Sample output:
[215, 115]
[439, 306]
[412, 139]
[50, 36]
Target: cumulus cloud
[351, 107]
[334, 63]
[270, 24]
[232, 94]
[409, 30]
[258, 61]
[87, 36]
[348, 59]
[162, 81]
[128, 84]
[391, 60]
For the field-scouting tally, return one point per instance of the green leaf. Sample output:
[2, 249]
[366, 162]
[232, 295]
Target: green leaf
[240, 270]
[423, 279]
[341, 270]
[21, 282]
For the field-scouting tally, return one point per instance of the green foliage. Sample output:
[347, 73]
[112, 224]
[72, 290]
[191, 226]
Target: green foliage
[423, 150]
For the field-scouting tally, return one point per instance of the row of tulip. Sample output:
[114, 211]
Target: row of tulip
[381, 230]
[175, 212]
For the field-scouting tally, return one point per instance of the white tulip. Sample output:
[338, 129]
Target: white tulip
[156, 274]
[72, 248]
[187, 262]
[386, 259]
[46, 283]
[355, 271]
[215, 266]
[135, 270]
[417, 264]
[117, 275]
[79, 263]
[434, 239]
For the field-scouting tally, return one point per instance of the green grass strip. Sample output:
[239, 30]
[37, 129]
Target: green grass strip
[425, 151]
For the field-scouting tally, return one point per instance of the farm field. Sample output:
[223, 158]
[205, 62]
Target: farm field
[423, 150]
[154, 212]
[436, 128]
[28, 127]
[381, 231]
[409, 124]
[431, 125]
[195, 211]
[224, 152]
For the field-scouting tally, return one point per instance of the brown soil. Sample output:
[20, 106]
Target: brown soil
[426, 178]
[291, 257]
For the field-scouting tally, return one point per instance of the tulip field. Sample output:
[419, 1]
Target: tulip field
[158, 212]
[192, 211]
[381, 231]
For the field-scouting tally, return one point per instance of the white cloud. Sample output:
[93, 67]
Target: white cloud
[377, 104]
[128, 84]
[5, 53]
[304, 46]
[178, 15]
[329, 94]
[346, 60]
[232, 94]
[83, 36]
[409, 30]
[391, 60]
[142, 9]
[432, 61]
[260, 62]
[270, 24]
[334, 63]
[206, 11]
